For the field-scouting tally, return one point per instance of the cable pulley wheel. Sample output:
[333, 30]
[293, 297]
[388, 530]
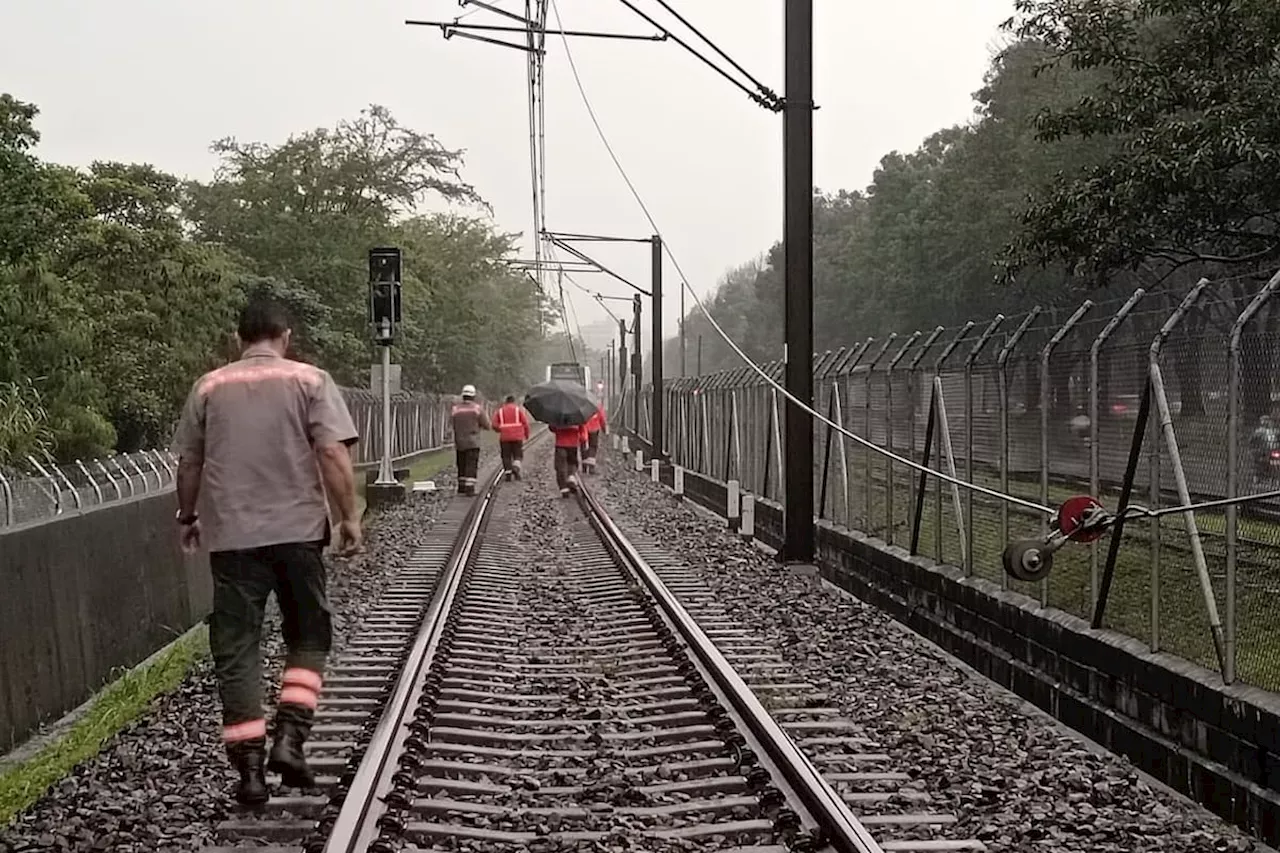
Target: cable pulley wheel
[1027, 560]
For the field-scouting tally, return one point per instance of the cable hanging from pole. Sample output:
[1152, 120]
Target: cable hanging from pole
[763, 95]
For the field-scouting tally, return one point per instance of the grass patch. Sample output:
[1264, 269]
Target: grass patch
[118, 704]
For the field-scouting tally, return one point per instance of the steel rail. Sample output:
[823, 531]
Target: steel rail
[356, 826]
[836, 827]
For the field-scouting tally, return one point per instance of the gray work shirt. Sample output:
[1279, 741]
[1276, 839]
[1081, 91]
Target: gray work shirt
[256, 424]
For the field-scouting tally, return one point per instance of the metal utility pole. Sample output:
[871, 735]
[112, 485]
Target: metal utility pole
[699, 355]
[658, 440]
[797, 242]
[637, 362]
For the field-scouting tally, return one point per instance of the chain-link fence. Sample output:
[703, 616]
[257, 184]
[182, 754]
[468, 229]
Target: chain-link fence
[1043, 406]
[40, 489]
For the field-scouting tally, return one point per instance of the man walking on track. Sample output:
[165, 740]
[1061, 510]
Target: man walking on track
[512, 424]
[595, 426]
[260, 443]
[569, 441]
[469, 420]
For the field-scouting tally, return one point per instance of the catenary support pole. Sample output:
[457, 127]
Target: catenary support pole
[797, 143]
[657, 439]
[636, 364]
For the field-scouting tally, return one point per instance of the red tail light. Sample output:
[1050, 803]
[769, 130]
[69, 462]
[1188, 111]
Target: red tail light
[1119, 408]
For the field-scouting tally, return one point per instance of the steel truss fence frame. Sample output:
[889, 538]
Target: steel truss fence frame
[1044, 402]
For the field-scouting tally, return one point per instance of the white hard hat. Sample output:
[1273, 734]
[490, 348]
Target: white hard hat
[468, 390]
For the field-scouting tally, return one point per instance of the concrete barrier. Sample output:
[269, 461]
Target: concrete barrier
[84, 594]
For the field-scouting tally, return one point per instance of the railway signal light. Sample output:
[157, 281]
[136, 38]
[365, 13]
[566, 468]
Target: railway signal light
[384, 293]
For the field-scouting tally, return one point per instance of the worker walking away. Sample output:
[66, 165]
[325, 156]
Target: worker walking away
[595, 427]
[512, 425]
[469, 421]
[260, 443]
[569, 440]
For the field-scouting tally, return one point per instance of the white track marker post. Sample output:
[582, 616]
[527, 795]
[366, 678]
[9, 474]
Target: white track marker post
[639, 461]
[613, 439]
[678, 482]
[653, 470]
[747, 528]
[731, 509]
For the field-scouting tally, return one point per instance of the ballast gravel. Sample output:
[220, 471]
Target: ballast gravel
[1015, 779]
[161, 785]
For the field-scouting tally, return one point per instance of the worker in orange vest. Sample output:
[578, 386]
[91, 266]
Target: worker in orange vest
[595, 426]
[512, 425]
[569, 440]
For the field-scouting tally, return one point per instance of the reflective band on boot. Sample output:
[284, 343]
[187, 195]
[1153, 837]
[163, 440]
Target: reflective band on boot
[236, 732]
[300, 686]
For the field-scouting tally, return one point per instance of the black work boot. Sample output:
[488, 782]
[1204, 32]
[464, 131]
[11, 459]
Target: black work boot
[293, 724]
[247, 757]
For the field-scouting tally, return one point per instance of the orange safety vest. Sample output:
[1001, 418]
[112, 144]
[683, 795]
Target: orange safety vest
[512, 423]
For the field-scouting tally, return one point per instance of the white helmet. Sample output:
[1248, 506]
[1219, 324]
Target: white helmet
[468, 390]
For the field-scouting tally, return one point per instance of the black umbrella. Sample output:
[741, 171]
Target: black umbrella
[559, 404]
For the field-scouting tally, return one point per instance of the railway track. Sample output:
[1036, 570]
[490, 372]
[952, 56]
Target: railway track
[536, 680]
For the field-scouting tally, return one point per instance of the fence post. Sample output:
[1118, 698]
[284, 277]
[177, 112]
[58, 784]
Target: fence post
[1233, 463]
[8, 499]
[97, 490]
[947, 451]
[1095, 437]
[866, 401]
[846, 374]
[115, 485]
[1002, 364]
[66, 481]
[913, 395]
[57, 490]
[1179, 476]
[888, 432]
[969, 361]
[1045, 355]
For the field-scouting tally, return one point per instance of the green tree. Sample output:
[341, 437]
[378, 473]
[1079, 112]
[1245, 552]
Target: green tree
[305, 212]
[1186, 97]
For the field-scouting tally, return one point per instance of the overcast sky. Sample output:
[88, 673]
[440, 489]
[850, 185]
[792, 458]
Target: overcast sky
[158, 80]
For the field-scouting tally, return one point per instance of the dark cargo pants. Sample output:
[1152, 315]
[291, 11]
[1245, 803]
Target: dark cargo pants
[242, 581]
[468, 467]
[512, 454]
[566, 462]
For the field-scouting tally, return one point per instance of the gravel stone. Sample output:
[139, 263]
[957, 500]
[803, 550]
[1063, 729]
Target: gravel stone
[1012, 776]
[163, 783]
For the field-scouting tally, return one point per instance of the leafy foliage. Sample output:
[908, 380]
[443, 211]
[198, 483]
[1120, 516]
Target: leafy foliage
[1115, 144]
[1189, 99]
[119, 284]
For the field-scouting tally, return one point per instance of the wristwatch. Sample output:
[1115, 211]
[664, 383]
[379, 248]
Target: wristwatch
[186, 520]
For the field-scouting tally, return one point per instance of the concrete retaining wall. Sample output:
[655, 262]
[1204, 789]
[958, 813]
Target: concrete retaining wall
[84, 594]
[1175, 720]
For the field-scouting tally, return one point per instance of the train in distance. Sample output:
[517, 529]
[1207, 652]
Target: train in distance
[569, 371]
